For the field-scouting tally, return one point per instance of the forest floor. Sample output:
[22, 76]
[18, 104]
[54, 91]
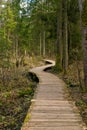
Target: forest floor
[72, 78]
[16, 92]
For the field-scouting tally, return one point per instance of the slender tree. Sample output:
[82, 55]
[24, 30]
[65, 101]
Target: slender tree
[65, 37]
[59, 53]
[83, 24]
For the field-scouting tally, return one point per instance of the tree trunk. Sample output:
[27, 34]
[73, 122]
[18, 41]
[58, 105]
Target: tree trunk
[85, 55]
[84, 43]
[40, 45]
[65, 37]
[44, 48]
[59, 49]
[25, 52]
[16, 48]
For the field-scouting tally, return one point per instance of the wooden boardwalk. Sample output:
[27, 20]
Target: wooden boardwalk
[50, 108]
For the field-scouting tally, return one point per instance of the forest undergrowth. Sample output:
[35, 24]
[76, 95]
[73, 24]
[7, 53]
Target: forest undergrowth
[75, 85]
[16, 92]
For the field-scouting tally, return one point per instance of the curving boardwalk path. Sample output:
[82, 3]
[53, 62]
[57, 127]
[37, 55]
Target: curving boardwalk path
[50, 108]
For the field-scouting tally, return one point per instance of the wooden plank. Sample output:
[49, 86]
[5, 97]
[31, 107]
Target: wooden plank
[55, 128]
[50, 109]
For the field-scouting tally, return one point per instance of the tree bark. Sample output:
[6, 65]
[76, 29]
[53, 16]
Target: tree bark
[59, 50]
[65, 37]
[40, 45]
[84, 43]
[85, 55]
[44, 47]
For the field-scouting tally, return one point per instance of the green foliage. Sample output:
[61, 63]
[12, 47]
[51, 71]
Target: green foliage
[58, 66]
[75, 36]
[79, 103]
[73, 11]
[7, 95]
[56, 69]
[1, 104]
[7, 27]
[25, 93]
[2, 118]
[74, 33]
[84, 13]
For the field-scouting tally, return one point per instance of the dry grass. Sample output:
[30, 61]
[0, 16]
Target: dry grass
[74, 80]
[16, 92]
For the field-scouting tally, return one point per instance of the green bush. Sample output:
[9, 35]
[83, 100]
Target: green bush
[1, 103]
[79, 103]
[26, 92]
